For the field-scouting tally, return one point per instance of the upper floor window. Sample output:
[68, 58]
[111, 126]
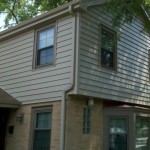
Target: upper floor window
[108, 48]
[45, 46]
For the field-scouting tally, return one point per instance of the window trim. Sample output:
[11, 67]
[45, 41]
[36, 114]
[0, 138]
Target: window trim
[35, 111]
[113, 31]
[35, 49]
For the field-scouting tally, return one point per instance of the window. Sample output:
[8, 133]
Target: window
[42, 129]
[108, 48]
[126, 129]
[142, 133]
[86, 120]
[118, 133]
[45, 47]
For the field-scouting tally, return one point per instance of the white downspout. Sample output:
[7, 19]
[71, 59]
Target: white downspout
[70, 87]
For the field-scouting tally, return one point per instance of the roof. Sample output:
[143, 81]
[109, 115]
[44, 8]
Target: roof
[65, 9]
[7, 100]
[54, 13]
[41, 19]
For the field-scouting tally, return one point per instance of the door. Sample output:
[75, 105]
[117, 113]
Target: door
[3, 121]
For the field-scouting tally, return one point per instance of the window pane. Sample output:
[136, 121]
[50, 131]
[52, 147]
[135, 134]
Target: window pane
[50, 41]
[142, 133]
[118, 142]
[41, 140]
[108, 41]
[86, 120]
[42, 44]
[118, 134]
[107, 58]
[42, 35]
[46, 38]
[50, 33]
[43, 120]
[118, 125]
[45, 56]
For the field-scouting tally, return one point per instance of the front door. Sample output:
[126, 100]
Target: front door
[3, 121]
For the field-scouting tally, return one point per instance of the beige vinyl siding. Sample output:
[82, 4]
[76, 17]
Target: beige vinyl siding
[42, 84]
[130, 82]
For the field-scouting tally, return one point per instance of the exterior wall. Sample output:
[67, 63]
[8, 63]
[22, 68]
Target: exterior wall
[75, 139]
[130, 83]
[29, 85]
[20, 139]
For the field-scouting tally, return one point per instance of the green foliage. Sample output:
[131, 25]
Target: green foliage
[17, 11]
[125, 11]
[45, 5]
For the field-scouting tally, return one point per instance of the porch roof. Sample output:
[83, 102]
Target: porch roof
[7, 101]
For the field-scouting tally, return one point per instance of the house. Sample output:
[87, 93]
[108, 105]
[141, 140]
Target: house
[70, 81]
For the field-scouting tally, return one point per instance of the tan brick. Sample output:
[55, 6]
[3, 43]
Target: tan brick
[20, 139]
[75, 139]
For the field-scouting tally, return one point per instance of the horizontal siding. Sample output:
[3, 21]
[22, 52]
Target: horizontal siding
[27, 85]
[130, 83]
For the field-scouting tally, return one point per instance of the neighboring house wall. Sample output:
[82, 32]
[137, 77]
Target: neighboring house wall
[17, 76]
[130, 82]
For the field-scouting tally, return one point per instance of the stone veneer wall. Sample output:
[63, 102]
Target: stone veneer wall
[20, 139]
[75, 139]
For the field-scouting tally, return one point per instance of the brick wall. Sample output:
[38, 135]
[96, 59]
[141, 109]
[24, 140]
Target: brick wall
[20, 139]
[75, 139]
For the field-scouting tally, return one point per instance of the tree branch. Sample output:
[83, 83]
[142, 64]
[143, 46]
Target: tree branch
[14, 5]
[13, 14]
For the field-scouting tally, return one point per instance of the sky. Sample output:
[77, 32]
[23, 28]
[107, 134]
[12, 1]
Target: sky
[1, 21]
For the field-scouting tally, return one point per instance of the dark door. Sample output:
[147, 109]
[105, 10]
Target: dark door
[3, 121]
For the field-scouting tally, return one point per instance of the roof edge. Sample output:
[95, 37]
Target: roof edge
[64, 9]
[93, 2]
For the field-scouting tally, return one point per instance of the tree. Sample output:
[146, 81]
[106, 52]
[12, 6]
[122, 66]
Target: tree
[125, 11]
[17, 11]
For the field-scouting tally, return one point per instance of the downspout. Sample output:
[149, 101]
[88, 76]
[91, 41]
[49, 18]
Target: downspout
[70, 87]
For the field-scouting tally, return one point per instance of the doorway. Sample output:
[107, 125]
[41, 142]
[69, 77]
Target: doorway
[3, 126]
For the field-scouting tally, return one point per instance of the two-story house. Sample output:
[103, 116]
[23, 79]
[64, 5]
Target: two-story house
[70, 81]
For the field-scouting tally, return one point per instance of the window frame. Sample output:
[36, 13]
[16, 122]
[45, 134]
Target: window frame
[118, 113]
[127, 127]
[35, 50]
[114, 32]
[145, 116]
[86, 120]
[35, 111]
[132, 113]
